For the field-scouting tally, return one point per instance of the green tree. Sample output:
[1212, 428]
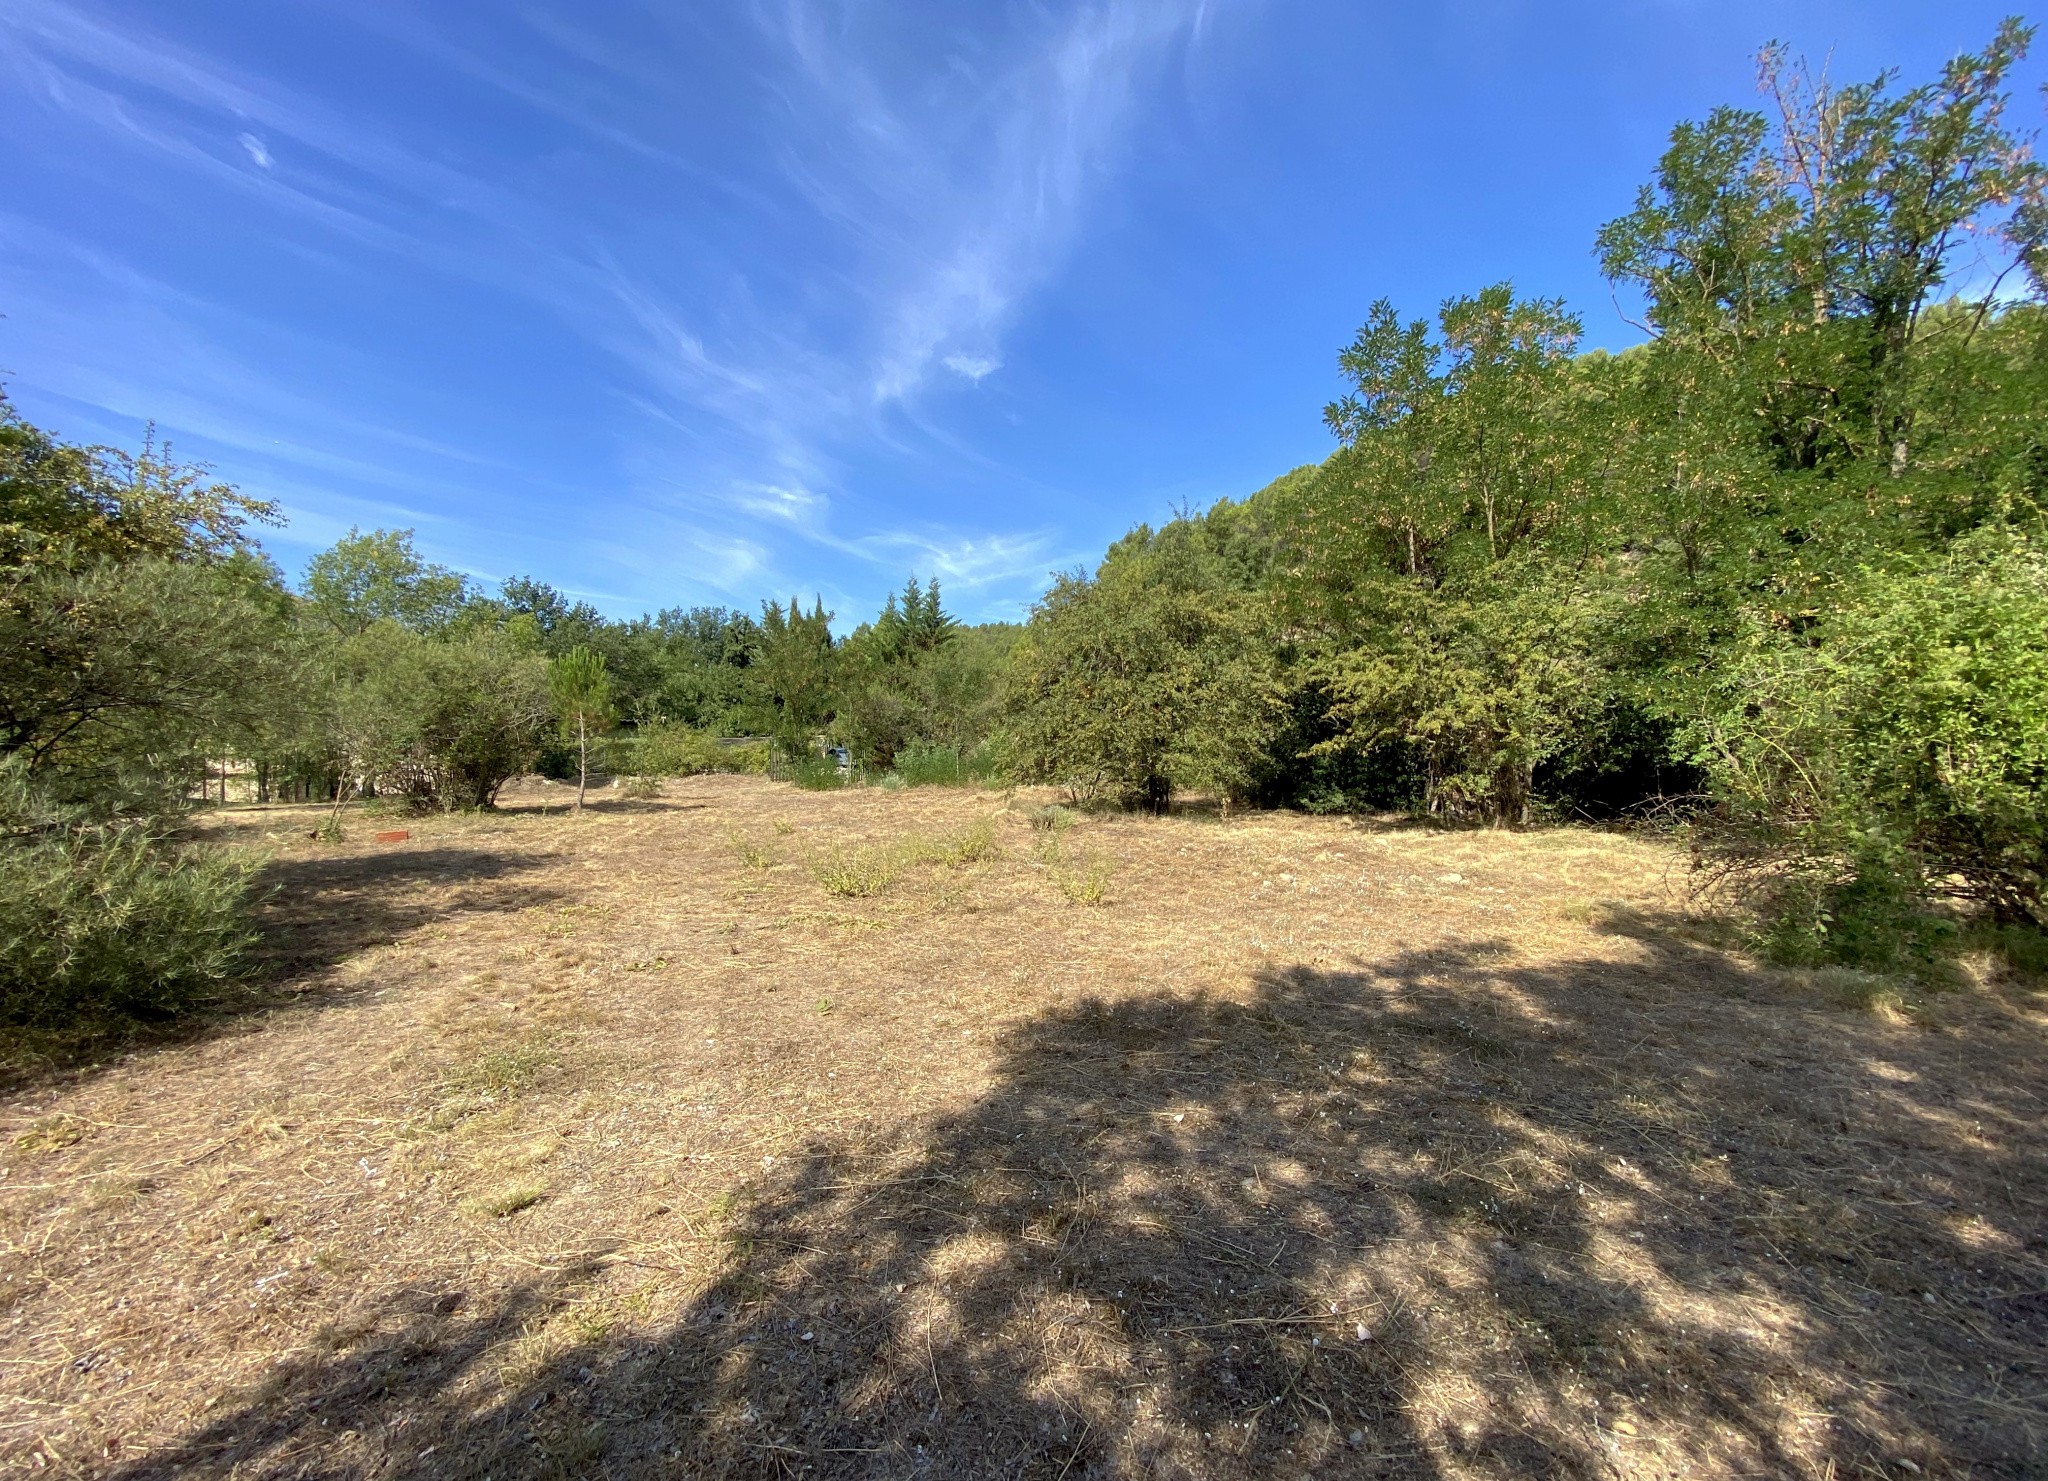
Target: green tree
[378, 577]
[1433, 569]
[1154, 676]
[794, 674]
[582, 693]
[442, 723]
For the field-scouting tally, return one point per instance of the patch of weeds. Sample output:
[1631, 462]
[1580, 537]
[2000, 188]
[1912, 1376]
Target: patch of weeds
[504, 1202]
[52, 1133]
[1850, 987]
[640, 788]
[1085, 882]
[450, 1113]
[753, 855]
[506, 1071]
[574, 1451]
[1053, 818]
[2021, 951]
[858, 873]
[569, 919]
[784, 827]
[945, 766]
[815, 774]
[973, 845]
[825, 1005]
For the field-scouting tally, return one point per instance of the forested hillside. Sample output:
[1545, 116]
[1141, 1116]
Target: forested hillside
[1775, 574]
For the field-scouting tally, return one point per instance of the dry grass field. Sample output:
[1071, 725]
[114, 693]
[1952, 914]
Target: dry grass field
[755, 1132]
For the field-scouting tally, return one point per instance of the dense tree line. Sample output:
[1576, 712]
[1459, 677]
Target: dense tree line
[1778, 571]
[1780, 565]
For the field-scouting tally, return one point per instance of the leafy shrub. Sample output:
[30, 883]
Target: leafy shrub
[111, 918]
[946, 766]
[1153, 676]
[813, 773]
[678, 750]
[1897, 749]
[443, 724]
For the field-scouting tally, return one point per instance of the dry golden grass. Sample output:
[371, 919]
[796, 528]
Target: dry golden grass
[624, 1144]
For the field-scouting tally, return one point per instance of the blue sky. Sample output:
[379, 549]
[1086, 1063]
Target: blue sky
[677, 301]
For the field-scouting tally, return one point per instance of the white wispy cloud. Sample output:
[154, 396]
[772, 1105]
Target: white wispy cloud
[934, 183]
[972, 180]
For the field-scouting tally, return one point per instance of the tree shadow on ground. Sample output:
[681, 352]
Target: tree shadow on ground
[314, 913]
[1448, 1215]
[310, 914]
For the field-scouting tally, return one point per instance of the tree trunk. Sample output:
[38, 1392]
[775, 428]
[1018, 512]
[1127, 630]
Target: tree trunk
[582, 761]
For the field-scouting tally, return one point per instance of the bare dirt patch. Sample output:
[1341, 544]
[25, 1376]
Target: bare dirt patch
[753, 1131]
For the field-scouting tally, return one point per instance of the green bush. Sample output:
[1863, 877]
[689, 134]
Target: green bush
[946, 766]
[112, 919]
[1895, 750]
[813, 773]
[443, 724]
[678, 750]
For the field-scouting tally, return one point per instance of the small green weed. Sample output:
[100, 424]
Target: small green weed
[753, 855]
[504, 1202]
[1085, 885]
[858, 873]
[971, 846]
[504, 1072]
[1053, 818]
[2020, 950]
[1846, 987]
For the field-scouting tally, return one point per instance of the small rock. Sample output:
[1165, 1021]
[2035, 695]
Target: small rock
[1355, 1439]
[1362, 1332]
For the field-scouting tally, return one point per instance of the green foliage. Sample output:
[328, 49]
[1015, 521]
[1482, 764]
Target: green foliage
[442, 724]
[581, 690]
[1895, 747]
[379, 577]
[919, 765]
[117, 679]
[857, 873]
[108, 917]
[812, 773]
[794, 674]
[69, 506]
[582, 694]
[916, 678]
[677, 750]
[1153, 676]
